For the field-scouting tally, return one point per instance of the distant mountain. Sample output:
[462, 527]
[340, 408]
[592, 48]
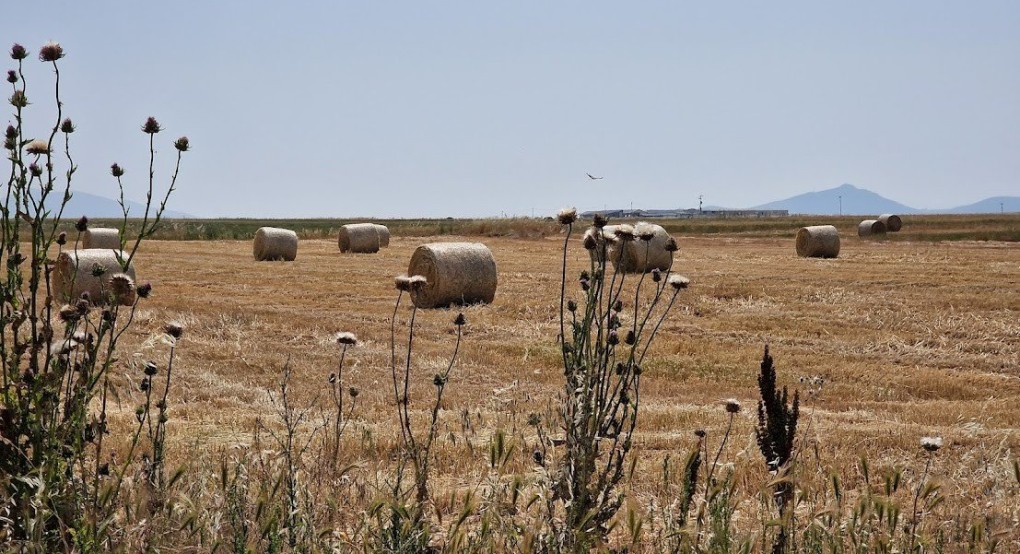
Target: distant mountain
[95, 206]
[994, 204]
[826, 202]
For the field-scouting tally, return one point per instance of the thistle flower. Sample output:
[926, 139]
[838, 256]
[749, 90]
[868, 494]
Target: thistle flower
[122, 287]
[646, 233]
[69, 313]
[18, 99]
[346, 339]
[618, 306]
[613, 338]
[459, 320]
[144, 290]
[700, 433]
[630, 338]
[116, 170]
[150, 368]
[51, 52]
[174, 329]
[12, 76]
[732, 405]
[98, 270]
[402, 282]
[82, 225]
[671, 245]
[438, 380]
[589, 240]
[18, 52]
[62, 238]
[35, 170]
[599, 221]
[679, 282]
[571, 306]
[417, 282]
[656, 275]
[151, 126]
[67, 126]
[567, 216]
[38, 146]
[353, 392]
[931, 444]
[11, 132]
[182, 144]
[624, 232]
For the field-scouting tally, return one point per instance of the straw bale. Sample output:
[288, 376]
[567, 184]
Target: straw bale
[384, 235]
[639, 256]
[818, 241]
[456, 273]
[272, 243]
[892, 222]
[72, 274]
[870, 227]
[360, 238]
[101, 238]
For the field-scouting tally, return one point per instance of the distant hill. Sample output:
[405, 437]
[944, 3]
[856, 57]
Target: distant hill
[858, 201]
[95, 206]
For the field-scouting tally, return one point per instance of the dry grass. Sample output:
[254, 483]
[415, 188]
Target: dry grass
[911, 338]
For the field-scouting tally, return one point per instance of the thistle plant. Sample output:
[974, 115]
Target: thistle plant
[776, 431]
[602, 356]
[56, 359]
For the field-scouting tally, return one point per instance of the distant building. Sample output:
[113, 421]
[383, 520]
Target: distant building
[690, 213]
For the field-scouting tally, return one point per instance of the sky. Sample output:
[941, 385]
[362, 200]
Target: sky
[478, 109]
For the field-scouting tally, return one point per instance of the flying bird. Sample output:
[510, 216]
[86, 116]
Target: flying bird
[592, 177]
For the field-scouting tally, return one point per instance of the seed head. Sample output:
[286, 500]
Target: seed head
[618, 306]
[98, 270]
[82, 305]
[51, 52]
[417, 282]
[567, 216]
[144, 290]
[589, 239]
[599, 221]
[353, 392]
[122, 287]
[438, 380]
[150, 368]
[151, 126]
[12, 76]
[732, 405]
[459, 320]
[613, 338]
[35, 170]
[931, 444]
[182, 144]
[62, 238]
[630, 338]
[679, 282]
[402, 282]
[18, 52]
[656, 275]
[18, 99]
[624, 232]
[671, 245]
[82, 225]
[38, 146]
[11, 132]
[69, 313]
[347, 339]
[332, 378]
[116, 170]
[571, 306]
[645, 232]
[67, 126]
[700, 433]
[174, 329]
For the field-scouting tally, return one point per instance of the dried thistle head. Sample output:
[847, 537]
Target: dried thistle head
[51, 52]
[174, 329]
[624, 232]
[599, 221]
[150, 368]
[35, 170]
[671, 245]
[459, 320]
[656, 275]
[402, 282]
[931, 444]
[82, 225]
[67, 126]
[38, 146]
[417, 282]
[732, 405]
[151, 126]
[590, 239]
[182, 144]
[144, 290]
[12, 76]
[11, 132]
[18, 52]
[62, 238]
[346, 339]
[69, 313]
[645, 232]
[567, 216]
[19, 99]
[122, 287]
[679, 282]
[116, 170]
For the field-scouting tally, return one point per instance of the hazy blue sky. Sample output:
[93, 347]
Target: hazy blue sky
[476, 108]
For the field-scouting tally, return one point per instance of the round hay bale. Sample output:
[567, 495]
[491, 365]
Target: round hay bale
[101, 238]
[818, 241]
[457, 273]
[272, 243]
[384, 235]
[892, 222]
[360, 238]
[870, 227]
[640, 256]
[72, 274]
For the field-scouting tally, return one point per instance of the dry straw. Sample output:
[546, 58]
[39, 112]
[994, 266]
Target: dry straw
[892, 222]
[272, 243]
[456, 273]
[101, 238]
[870, 227]
[642, 256]
[74, 273]
[360, 238]
[819, 241]
[384, 235]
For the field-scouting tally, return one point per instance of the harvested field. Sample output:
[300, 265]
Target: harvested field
[890, 342]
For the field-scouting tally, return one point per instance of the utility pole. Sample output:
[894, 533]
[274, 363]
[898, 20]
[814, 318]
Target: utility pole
[1001, 209]
[700, 211]
[840, 204]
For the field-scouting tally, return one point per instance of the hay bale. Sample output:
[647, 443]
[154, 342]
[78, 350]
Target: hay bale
[603, 241]
[818, 241]
[892, 222]
[457, 273]
[640, 256]
[870, 227]
[384, 235]
[272, 243]
[72, 274]
[101, 238]
[360, 238]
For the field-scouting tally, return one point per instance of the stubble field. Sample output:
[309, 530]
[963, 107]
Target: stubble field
[892, 341]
